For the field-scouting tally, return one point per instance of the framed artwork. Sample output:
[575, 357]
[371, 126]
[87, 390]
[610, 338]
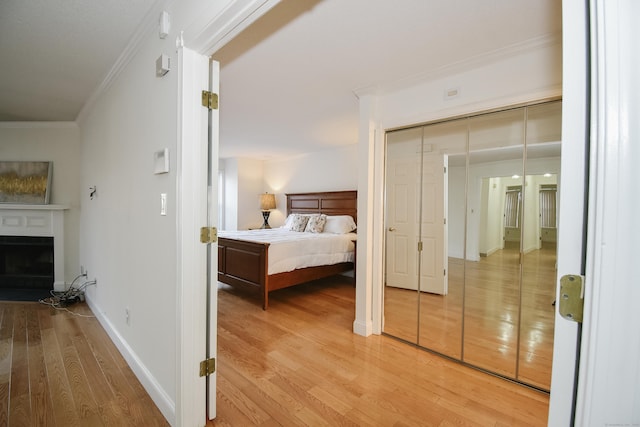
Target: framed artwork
[25, 182]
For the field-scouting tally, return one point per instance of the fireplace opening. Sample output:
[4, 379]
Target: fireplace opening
[26, 262]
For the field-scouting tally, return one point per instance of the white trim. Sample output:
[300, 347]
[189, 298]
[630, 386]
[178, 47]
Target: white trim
[156, 392]
[363, 328]
[149, 22]
[363, 323]
[191, 214]
[608, 382]
[38, 125]
[378, 236]
[571, 202]
[222, 28]
[463, 65]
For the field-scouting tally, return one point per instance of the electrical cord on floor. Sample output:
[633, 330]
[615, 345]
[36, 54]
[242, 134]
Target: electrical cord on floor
[61, 300]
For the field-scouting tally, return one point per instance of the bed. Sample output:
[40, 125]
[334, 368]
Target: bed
[244, 262]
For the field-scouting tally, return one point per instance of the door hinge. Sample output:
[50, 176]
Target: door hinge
[571, 304]
[420, 246]
[208, 235]
[207, 367]
[210, 100]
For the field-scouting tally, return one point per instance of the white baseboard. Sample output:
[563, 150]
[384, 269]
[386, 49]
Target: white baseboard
[157, 393]
[362, 328]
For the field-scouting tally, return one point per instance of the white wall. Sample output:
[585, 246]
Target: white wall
[250, 186]
[330, 170]
[246, 179]
[58, 142]
[125, 243]
[533, 72]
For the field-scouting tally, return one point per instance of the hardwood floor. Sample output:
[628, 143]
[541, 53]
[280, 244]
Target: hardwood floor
[300, 364]
[497, 336]
[296, 364]
[59, 369]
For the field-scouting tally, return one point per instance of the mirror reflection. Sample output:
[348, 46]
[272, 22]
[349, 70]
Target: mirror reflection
[539, 264]
[442, 280]
[494, 218]
[471, 226]
[403, 168]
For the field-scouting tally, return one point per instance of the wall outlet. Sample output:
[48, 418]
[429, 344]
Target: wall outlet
[126, 315]
[83, 271]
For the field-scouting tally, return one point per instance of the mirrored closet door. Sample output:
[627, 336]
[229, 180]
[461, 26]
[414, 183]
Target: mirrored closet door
[470, 227]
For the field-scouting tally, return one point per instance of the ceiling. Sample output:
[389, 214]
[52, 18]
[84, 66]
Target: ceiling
[289, 82]
[55, 53]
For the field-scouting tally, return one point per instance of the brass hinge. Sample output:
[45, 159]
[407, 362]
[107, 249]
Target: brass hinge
[208, 235]
[571, 304]
[207, 367]
[210, 100]
[420, 246]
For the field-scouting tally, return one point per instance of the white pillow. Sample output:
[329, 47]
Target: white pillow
[339, 224]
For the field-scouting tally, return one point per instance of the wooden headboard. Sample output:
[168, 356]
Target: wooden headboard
[328, 203]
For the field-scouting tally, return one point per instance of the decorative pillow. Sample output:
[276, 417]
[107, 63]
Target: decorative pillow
[316, 223]
[298, 222]
[339, 224]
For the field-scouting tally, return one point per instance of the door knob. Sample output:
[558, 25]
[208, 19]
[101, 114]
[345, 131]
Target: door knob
[392, 229]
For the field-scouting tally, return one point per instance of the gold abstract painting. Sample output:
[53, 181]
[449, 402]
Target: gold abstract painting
[25, 182]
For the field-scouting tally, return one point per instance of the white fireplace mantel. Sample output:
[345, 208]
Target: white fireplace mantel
[38, 221]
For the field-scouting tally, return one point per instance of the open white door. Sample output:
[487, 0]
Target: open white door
[212, 275]
[195, 259]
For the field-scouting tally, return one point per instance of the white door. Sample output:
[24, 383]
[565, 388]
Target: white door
[197, 166]
[433, 274]
[410, 223]
[212, 208]
[403, 191]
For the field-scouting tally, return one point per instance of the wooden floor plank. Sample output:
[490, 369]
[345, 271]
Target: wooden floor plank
[301, 360]
[296, 364]
[41, 403]
[64, 407]
[50, 374]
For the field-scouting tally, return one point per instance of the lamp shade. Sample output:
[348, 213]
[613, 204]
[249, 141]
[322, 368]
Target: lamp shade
[267, 201]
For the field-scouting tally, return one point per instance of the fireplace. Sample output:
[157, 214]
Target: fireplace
[26, 262]
[32, 241]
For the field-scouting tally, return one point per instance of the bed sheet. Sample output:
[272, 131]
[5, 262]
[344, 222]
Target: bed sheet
[290, 250]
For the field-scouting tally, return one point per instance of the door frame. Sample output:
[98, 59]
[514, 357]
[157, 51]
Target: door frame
[196, 44]
[571, 230]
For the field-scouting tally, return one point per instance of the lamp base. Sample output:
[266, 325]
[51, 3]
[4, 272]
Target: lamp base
[265, 216]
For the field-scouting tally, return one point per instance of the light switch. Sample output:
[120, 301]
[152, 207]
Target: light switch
[163, 203]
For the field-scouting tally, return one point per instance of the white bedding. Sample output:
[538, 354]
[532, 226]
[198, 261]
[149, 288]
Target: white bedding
[290, 250]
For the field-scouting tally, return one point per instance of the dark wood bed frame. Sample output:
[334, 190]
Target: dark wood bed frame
[244, 263]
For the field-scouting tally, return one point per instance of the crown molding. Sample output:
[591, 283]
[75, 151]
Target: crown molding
[461, 66]
[38, 125]
[147, 25]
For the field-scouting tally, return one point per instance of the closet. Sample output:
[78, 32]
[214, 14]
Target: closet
[470, 238]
